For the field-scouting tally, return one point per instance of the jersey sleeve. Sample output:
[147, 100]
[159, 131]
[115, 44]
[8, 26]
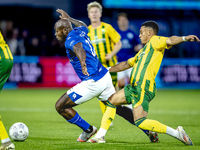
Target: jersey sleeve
[83, 28]
[159, 43]
[131, 61]
[113, 34]
[70, 42]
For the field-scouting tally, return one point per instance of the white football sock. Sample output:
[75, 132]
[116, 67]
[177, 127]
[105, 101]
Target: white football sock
[100, 133]
[5, 140]
[172, 132]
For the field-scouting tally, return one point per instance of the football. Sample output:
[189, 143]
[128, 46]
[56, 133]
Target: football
[19, 131]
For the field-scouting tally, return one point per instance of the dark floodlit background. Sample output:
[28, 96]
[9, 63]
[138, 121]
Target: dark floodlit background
[40, 61]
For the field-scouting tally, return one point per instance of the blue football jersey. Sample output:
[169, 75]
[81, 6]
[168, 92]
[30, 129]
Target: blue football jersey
[129, 40]
[94, 67]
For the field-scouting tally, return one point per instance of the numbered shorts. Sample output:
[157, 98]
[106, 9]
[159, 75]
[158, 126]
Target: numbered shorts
[86, 90]
[5, 70]
[137, 96]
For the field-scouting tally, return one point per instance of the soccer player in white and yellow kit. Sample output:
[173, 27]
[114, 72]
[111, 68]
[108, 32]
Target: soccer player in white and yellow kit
[6, 63]
[142, 87]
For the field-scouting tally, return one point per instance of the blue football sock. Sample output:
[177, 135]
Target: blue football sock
[145, 131]
[79, 122]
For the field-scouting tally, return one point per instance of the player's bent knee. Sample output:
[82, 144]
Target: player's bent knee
[111, 99]
[58, 107]
[63, 103]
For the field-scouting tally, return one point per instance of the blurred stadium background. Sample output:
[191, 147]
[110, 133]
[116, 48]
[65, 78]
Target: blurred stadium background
[40, 61]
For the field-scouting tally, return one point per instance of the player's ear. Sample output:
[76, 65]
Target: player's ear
[150, 32]
[65, 31]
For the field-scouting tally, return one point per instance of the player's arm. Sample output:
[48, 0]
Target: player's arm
[76, 22]
[116, 48]
[80, 53]
[120, 67]
[174, 40]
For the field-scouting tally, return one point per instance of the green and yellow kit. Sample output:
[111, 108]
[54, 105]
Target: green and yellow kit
[146, 63]
[6, 62]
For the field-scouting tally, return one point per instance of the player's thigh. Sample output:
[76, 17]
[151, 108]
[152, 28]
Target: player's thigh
[84, 91]
[143, 99]
[118, 98]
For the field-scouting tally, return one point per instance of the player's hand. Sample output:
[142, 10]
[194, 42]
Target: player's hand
[84, 70]
[63, 14]
[192, 38]
[108, 56]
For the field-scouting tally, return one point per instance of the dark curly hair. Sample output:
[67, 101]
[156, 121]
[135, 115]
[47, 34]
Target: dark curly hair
[153, 25]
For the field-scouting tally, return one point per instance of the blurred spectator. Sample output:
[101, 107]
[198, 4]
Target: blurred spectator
[12, 35]
[54, 47]
[23, 42]
[44, 45]
[33, 48]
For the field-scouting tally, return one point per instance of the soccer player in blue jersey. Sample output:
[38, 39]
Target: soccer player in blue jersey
[130, 45]
[96, 80]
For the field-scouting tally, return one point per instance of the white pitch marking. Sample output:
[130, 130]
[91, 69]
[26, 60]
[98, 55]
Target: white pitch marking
[82, 110]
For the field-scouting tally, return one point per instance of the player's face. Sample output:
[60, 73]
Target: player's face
[144, 35]
[122, 22]
[60, 35]
[94, 14]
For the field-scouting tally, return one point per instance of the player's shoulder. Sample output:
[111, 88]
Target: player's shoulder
[83, 28]
[90, 26]
[156, 37]
[107, 25]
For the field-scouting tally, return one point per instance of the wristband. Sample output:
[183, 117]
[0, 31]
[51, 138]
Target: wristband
[183, 37]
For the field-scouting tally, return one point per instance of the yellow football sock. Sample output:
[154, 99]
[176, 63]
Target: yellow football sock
[102, 106]
[3, 133]
[108, 116]
[152, 125]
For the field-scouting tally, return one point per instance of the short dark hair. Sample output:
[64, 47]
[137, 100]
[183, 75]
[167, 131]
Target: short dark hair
[153, 25]
[122, 14]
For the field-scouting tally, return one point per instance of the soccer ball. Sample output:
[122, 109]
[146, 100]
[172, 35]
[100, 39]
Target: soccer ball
[18, 131]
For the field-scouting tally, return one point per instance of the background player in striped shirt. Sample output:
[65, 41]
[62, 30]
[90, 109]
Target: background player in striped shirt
[6, 64]
[142, 87]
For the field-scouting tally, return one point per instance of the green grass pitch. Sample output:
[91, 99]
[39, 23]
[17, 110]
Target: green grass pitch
[49, 131]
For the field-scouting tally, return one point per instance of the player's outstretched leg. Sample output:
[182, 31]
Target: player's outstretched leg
[156, 126]
[127, 114]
